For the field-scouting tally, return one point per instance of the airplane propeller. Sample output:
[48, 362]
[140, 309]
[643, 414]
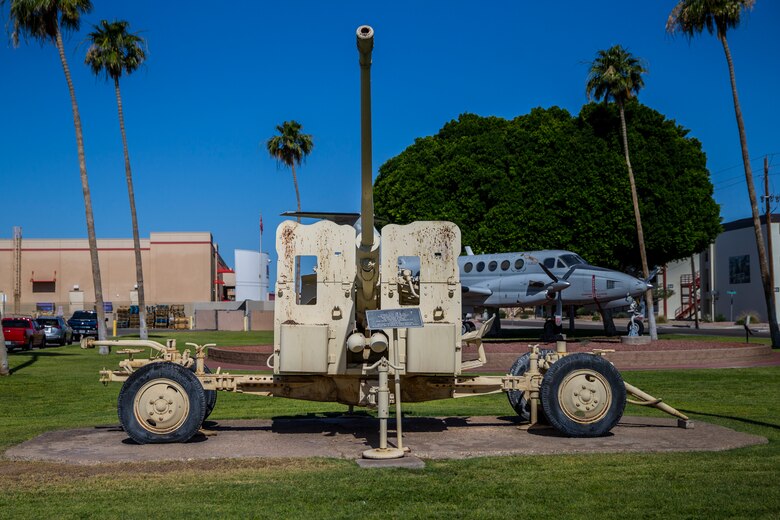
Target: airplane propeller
[554, 290]
[557, 284]
[653, 274]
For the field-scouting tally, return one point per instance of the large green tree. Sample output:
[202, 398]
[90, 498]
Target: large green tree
[45, 20]
[290, 148]
[114, 51]
[548, 179]
[616, 75]
[692, 17]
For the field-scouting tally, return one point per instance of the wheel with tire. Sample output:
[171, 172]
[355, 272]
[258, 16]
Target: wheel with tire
[29, 344]
[583, 395]
[211, 395]
[517, 400]
[161, 402]
[638, 328]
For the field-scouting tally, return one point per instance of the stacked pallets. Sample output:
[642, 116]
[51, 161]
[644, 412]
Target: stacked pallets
[178, 320]
[133, 317]
[161, 316]
[122, 317]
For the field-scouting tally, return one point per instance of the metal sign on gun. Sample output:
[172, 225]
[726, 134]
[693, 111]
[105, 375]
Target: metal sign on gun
[394, 319]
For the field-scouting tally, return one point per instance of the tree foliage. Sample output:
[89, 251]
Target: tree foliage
[552, 180]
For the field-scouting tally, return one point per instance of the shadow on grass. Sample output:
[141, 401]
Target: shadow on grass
[34, 358]
[733, 418]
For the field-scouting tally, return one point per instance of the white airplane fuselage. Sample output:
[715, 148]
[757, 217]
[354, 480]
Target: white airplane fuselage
[518, 280]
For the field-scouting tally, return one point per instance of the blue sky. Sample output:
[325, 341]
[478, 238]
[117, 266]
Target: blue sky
[219, 77]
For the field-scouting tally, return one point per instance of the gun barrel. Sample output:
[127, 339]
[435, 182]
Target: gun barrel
[365, 44]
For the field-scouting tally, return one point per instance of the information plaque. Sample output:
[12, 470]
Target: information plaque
[394, 319]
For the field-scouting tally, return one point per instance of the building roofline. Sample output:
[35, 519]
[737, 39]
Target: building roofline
[748, 222]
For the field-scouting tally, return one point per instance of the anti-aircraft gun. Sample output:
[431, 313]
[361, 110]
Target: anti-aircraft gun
[367, 320]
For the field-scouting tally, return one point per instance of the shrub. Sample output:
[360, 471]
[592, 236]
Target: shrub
[720, 317]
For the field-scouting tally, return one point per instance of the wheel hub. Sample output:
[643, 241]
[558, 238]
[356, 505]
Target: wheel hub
[585, 396]
[161, 406]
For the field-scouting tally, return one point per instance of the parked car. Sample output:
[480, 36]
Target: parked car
[57, 331]
[83, 323]
[23, 332]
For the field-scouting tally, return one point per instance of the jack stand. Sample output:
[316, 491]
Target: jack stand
[383, 412]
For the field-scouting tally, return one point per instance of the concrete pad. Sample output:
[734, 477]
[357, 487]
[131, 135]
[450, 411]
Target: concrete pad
[346, 437]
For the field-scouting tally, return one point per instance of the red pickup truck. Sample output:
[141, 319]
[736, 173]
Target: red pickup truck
[23, 333]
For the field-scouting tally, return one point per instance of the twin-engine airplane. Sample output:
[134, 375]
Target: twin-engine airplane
[532, 278]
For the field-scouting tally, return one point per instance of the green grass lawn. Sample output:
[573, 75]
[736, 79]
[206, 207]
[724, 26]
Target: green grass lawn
[57, 388]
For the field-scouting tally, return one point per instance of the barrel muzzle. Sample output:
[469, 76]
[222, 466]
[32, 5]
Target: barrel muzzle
[365, 44]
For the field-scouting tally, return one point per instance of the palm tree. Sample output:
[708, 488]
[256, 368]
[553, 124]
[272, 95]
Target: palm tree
[691, 17]
[617, 75]
[4, 371]
[114, 51]
[44, 20]
[290, 148]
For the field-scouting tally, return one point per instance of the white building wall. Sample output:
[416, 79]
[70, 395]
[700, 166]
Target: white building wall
[737, 270]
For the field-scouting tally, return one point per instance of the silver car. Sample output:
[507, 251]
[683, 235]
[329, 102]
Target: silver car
[57, 330]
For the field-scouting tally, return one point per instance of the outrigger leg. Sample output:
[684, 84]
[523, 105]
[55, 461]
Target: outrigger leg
[648, 400]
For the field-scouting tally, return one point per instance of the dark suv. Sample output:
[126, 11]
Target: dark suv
[83, 323]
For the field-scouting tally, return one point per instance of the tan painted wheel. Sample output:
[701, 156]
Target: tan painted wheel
[161, 402]
[161, 406]
[584, 396]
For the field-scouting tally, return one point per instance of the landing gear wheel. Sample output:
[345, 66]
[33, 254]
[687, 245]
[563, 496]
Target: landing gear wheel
[468, 326]
[517, 400]
[161, 402]
[583, 395]
[551, 331]
[211, 395]
[638, 326]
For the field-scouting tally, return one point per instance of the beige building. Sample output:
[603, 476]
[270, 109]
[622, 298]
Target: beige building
[46, 274]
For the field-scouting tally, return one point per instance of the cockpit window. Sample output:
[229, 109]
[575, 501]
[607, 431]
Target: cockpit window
[571, 259]
[549, 262]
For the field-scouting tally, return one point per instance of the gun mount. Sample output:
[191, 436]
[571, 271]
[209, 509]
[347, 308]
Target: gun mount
[328, 346]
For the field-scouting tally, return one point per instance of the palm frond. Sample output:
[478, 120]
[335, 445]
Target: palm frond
[691, 17]
[114, 50]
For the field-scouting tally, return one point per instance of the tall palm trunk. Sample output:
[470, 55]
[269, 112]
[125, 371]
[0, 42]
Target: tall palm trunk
[139, 272]
[763, 264]
[298, 288]
[4, 371]
[640, 234]
[93, 252]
